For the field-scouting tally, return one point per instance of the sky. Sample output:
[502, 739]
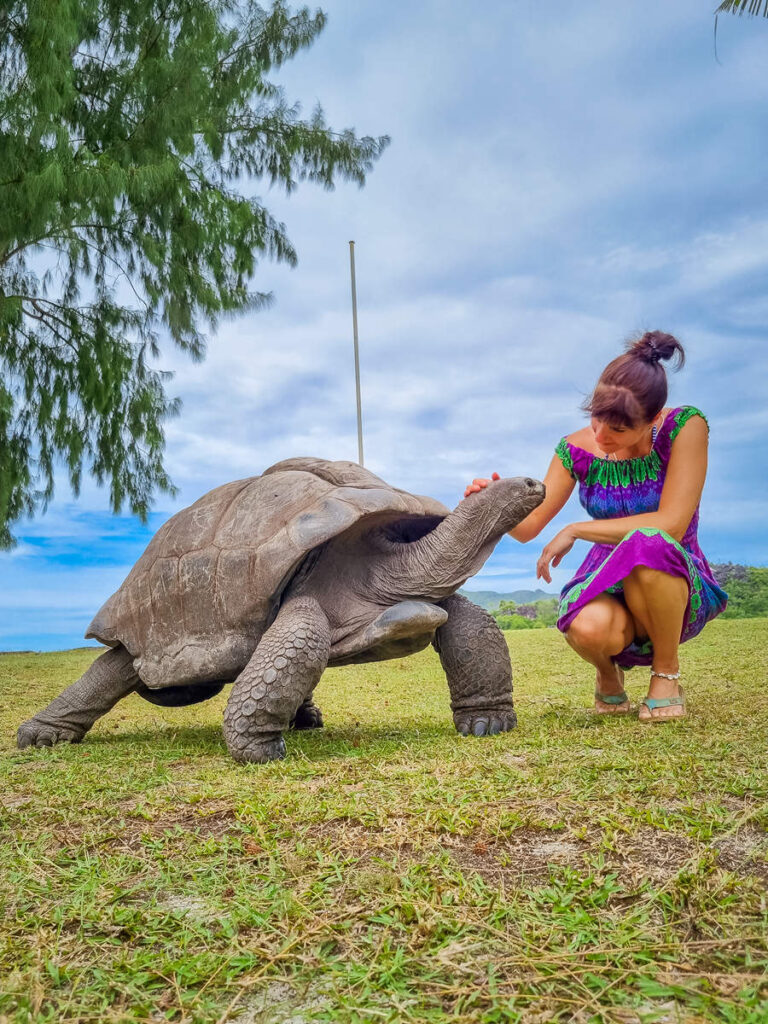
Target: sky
[560, 178]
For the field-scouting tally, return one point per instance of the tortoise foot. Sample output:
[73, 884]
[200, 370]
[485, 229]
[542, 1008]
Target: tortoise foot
[260, 752]
[478, 722]
[309, 716]
[36, 733]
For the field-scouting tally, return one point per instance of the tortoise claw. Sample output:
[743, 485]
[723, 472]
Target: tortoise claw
[308, 716]
[479, 723]
[261, 753]
[34, 733]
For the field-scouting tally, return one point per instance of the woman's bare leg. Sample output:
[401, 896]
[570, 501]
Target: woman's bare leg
[657, 601]
[600, 630]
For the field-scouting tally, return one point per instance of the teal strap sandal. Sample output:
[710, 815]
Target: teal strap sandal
[663, 702]
[614, 702]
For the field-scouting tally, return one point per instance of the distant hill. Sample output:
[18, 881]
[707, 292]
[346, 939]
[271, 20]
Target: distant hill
[747, 587]
[489, 599]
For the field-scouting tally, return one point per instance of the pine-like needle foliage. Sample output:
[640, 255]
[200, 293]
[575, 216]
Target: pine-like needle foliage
[126, 130]
[755, 7]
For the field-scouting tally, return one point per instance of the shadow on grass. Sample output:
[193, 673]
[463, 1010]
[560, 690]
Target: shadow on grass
[329, 743]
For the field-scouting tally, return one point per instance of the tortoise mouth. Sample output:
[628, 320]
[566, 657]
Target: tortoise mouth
[408, 530]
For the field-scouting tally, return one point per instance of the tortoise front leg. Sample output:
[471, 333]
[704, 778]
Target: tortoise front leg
[73, 712]
[475, 658]
[283, 671]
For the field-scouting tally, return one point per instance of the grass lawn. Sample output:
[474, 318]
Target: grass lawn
[577, 869]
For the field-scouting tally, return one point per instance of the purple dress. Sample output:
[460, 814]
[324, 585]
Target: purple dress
[611, 489]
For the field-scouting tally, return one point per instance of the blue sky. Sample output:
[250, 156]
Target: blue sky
[560, 177]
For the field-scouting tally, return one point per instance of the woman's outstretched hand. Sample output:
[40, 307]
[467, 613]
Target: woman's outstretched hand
[479, 483]
[554, 552]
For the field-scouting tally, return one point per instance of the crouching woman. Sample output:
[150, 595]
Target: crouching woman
[645, 586]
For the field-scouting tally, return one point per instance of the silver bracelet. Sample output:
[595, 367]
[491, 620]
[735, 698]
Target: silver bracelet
[665, 675]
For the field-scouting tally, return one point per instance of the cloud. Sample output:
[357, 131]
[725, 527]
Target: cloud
[22, 551]
[710, 260]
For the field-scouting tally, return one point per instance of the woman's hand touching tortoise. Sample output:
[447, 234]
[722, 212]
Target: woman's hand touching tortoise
[478, 484]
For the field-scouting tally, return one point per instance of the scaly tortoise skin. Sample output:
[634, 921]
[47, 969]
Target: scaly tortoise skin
[265, 582]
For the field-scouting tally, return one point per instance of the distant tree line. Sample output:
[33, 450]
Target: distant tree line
[534, 615]
[747, 588]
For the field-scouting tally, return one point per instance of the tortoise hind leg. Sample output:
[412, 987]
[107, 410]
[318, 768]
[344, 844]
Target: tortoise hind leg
[70, 716]
[282, 673]
[308, 716]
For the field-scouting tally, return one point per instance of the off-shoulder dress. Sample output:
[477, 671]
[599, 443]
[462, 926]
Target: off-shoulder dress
[611, 489]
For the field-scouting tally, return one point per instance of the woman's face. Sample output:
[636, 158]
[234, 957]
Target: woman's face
[611, 439]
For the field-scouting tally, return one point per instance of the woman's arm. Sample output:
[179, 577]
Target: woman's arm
[680, 495]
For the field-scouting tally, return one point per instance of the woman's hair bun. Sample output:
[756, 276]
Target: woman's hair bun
[632, 389]
[656, 345]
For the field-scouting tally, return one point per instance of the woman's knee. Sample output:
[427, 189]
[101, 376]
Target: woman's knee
[591, 627]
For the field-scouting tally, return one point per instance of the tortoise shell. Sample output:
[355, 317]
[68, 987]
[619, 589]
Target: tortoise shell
[209, 583]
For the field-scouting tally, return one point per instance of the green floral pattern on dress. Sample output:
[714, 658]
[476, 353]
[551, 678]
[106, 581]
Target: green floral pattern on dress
[613, 473]
[623, 472]
[693, 572]
[684, 414]
[563, 452]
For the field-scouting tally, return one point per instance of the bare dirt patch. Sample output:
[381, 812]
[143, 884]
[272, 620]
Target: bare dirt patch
[526, 855]
[209, 820]
[349, 835]
[191, 906]
[648, 855]
[213, 818]
[702, 799]
[727, 800]
[654, 855]
[744, 852]
[279, 1003]
[12, 801]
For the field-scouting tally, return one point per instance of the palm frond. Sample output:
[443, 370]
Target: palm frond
[755, 7]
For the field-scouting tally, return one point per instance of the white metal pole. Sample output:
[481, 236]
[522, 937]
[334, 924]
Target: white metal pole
[357, 354]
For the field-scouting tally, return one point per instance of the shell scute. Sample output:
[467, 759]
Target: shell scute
[367, 500]
[162, 584]
[197, 574]
[267, 505]
[197, 528]
[326, 518]
[239, 607]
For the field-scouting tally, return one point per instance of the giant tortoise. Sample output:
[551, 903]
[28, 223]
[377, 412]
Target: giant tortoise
[264, 582]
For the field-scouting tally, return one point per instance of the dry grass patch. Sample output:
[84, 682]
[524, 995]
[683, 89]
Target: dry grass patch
[525, 858]
[744, 852]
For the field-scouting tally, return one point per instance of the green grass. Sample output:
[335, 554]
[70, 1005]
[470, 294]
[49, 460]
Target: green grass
[577, 869]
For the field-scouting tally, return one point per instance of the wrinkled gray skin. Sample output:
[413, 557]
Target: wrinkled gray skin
[265, 582]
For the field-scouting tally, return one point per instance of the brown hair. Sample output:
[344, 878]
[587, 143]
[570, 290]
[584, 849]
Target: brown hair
[632, 389]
